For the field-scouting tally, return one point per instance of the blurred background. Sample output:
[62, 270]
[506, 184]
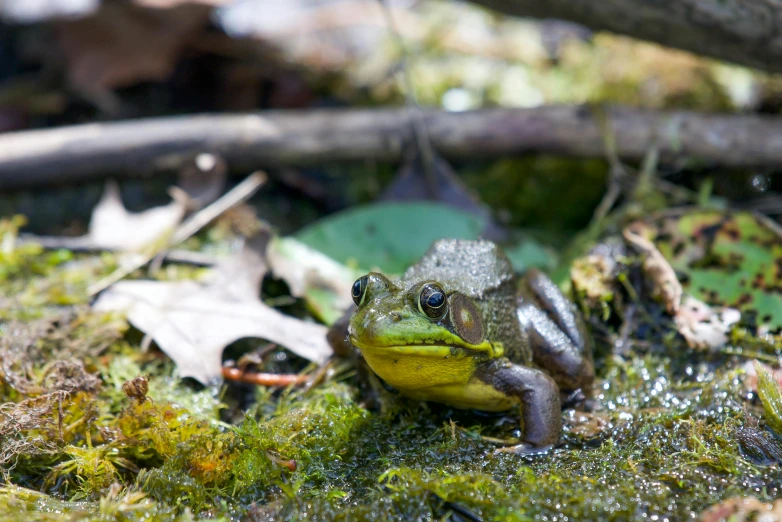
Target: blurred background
[65, 62]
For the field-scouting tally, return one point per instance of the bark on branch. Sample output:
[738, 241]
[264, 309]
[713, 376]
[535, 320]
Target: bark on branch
[280, 138]
[747, 32]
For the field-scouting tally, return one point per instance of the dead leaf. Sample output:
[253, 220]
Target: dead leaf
[192, 322]
[742, 509]
[123, 43]
[656, 268]
[704, 326]
[114, 228]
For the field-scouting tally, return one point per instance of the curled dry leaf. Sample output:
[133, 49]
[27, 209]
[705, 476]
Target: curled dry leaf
[656, 268]
[114, 228]
[193, 322]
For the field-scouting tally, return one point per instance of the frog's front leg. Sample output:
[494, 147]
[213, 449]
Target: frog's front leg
[555, 332]
[541, 413]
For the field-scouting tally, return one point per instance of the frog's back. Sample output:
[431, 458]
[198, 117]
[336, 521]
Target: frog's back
[474, 268]
[482, 271]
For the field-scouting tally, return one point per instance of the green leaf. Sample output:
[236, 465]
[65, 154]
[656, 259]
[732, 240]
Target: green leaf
[388, 236]
[729, 258]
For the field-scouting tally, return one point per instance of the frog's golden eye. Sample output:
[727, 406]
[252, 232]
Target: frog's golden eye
[432, 301]
[359, 289]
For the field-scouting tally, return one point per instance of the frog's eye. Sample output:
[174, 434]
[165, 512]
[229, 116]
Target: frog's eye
[432, 301]
[359, 289]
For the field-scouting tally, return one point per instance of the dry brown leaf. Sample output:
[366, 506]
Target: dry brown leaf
[193, 322]
[124, 43]
[743, 509]
[657, 269]
[704, 326]
[114, 228]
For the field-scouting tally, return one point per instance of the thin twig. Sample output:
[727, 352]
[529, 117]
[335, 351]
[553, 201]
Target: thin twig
[616, 170]
[85, 244]
[411, 101]
[238, 194]
[264, 379]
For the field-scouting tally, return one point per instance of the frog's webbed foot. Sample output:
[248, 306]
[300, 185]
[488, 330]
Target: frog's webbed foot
[555, 332]
[538, 394]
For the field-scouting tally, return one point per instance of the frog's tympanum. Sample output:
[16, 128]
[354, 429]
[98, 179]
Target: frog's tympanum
[460, 329]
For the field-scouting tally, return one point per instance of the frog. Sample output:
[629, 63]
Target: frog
[462, 329]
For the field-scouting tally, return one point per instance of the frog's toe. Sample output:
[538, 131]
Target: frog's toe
[526, 449]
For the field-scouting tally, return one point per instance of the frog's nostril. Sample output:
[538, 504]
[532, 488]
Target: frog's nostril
[396, 316]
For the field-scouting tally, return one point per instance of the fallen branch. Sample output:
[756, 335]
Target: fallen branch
[747, 32]
[282, 138]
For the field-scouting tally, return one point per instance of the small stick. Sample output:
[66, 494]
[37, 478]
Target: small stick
[275, 457]
[238, 194]
[81, 244]
[264, 379]
[230, 199]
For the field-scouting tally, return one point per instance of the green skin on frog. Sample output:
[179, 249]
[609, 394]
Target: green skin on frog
[459, 329]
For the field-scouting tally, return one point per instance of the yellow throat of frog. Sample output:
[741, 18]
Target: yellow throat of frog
[415, 367]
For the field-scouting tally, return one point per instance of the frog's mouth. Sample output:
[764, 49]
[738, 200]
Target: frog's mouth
[436, 350]
[417, 350]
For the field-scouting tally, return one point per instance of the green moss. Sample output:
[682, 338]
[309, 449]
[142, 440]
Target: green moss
[21, 504]
[660, 438]
[770, 394]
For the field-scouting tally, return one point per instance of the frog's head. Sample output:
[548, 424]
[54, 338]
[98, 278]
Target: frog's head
[417, 335]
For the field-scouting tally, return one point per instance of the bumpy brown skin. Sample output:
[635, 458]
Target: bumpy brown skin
[536, 325]
[481, 271]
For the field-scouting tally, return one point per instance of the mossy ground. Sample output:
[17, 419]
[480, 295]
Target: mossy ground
[659, 439]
